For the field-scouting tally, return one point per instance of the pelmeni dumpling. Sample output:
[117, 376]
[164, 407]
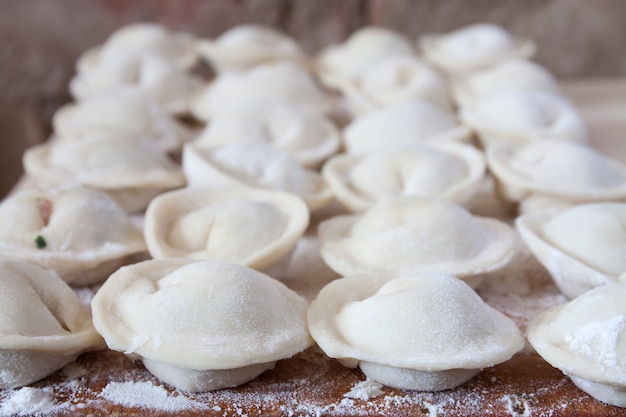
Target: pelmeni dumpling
[422, 332]
[586, 339]
[393, 80]
[402, 124]
[245, 46]
[562, 170]
[522, 116]
[453, 171]
[128, 111]
[309, 137]
[407, 235]
[363, 48]
[582, 247]
[43, 325]
[473, 47]
[253, 164]
[137, 38]
[270, 84]
[132, 169]
[512, 75]
[200, 326]
[151, 74]
[82, 234]
[246, 226]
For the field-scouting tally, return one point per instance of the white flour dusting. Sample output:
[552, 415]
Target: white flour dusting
[147, 395]
[27, 401]
[365, 390]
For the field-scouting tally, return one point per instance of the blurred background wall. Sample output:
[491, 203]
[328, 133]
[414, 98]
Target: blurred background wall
[41, 39]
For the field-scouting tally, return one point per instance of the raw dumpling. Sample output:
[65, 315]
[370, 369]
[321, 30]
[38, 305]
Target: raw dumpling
[127, 111]
[523, 116]
[452, 171]
[406, 123]
[586, 339]
[246, 46]
[309, 137]
[516, 74]
[200, 326]
[133, 169]
[360, 51]
[562, 170]
[158, 78]
[137, 38]
[582, 247]
[393, 80]
[415, 234]
[253, 164]
[271, 84]
[422, 332]
[43, 325]
[473, 47]
[82, 234]
[246, 226]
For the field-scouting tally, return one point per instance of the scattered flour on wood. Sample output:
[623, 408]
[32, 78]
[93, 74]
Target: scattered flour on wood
[145, 394]
[28, 401]
[365, 390]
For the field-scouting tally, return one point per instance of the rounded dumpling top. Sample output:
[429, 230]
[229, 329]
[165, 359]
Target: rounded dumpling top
[516, 74]
[248, 226]
[309, 137]
[523, 116]
[582, 246]
[415, 234]
[586, 336]
[449, 170]
[427, 322]
[406, 123]
[200, 315]
[127, 111]
[245, 46]
[557, 168]
[473, 47]
[361, 50]
[270, 84]
[40, 312]
[593, 233]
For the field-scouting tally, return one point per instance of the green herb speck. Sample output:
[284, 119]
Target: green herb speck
[40, 242]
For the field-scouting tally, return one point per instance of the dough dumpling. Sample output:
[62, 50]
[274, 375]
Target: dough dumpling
[250, 227]
[276, 83]
[361, 50]
[516, 74]
[582, 247]
[246, 46]
[394, 80]
[586, 339]
[415, 234]
[407, 123]
[82, 234]
[126, 111]
[562, 170]
[253, 164]
[449, 170]
[200, 325]
[473, 47]
[133, 169]
[160, 79]
[524, 116]
[426, 332]
[309, 137]
[43, 325]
